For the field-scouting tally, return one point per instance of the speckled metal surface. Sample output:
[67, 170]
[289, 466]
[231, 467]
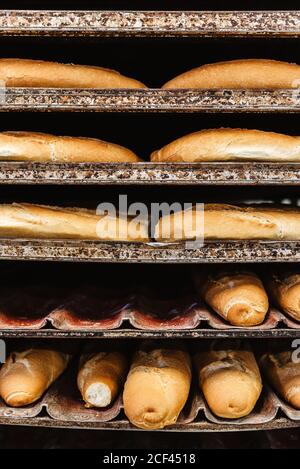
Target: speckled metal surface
[149, 100]
[250, 173]
[150, 23]
[117, 252]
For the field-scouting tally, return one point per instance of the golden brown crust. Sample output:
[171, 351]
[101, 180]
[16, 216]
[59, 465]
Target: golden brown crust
[100, 377]
[230, 381]
[34, 146]
[230, 145]
[39, 73]
[39, 221]
[223, 221]
[248, 74]
[239, 298]
[285, 292]
[157, 388]
[284, 375]
[25, 376]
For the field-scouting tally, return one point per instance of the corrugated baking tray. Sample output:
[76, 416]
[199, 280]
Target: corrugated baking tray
[250, 173]
[149, 100]
[150, 23]
[128, 252]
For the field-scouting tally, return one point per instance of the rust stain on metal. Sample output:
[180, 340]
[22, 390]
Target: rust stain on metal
[150, 23]
[149, 100]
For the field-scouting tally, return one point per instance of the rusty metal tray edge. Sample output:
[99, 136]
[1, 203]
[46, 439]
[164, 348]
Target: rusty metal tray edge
[150, 23]
[149, 100]
[242, 173]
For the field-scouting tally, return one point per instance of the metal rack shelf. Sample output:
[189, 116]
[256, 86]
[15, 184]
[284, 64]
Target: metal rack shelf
[171, 174]
[118, 252]
[202, 426]
[152, 334]
[150, 23]
[149, 100]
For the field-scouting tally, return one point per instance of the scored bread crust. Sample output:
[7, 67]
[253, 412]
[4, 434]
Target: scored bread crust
[285, 292]
[41, 221]
[223, 221]
[230, 381]
[238, 298]
[100, 377]
[35, 146]
[226, 144]
[157, 388]
[25, 376]
[283, 374]
[238, 74]
[40, 73]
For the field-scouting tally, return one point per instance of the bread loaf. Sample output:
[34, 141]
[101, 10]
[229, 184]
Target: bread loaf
[285, 292]
[157, 388]
[33, 146]
[247, 73]
[100, 377]
[240, 298]
[283, 375]
[25, 376]
[232, 223]
[39, 73]
[39, 221]
[230, 145]
[230, 381]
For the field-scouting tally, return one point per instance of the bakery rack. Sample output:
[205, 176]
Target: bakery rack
[152, 26]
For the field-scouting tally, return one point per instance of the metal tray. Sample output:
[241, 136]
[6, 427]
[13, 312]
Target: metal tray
[149, 100]
[150, 23]
[127, 252]
[249, 173]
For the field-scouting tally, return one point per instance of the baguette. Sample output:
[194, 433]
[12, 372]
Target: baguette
[234, 74]
[283, 375]
[39, 73]
[100, 378]
[285, 292]
[39, 147]
[25, 376]
[230, 381]
[231, 222]
[39, 221]
[230, 145]
[240, 298]
[157, 388]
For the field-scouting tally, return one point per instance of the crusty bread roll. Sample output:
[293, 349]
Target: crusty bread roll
[230, 145]
[100, 377]
[34, 146]
[248, 73]
[157, 388]
[25, 376]
[39, 73]
[283, 375]
[39, 221]
[231, 222]
[230, 381]
[285, 292]
[240, 298]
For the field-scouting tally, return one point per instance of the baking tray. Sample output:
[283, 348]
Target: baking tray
[249, 173]
[149, 100]
[150, 23]
[128, 252]
[98, 309]
[63, 404]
